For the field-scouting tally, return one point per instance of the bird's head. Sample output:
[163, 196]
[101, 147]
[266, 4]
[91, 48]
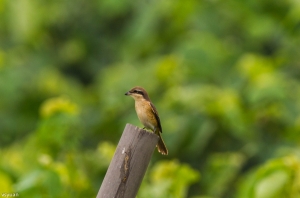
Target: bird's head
[138, 93]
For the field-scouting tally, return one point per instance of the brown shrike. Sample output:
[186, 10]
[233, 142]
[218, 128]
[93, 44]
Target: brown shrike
[148, 115]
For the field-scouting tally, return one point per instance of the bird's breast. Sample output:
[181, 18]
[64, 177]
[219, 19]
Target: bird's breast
[145, 114]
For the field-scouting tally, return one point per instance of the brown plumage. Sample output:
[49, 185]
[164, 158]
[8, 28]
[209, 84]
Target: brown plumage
[148, 115]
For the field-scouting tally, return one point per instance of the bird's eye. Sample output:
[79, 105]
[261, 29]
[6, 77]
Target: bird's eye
[138, 92]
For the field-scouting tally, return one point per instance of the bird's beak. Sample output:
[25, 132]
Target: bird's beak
[127, 93]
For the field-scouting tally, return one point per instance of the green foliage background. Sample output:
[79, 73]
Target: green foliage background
[224, 76]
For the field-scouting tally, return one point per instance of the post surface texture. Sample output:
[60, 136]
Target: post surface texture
[129, 164]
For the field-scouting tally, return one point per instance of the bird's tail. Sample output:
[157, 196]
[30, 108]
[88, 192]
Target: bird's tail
[161, 147]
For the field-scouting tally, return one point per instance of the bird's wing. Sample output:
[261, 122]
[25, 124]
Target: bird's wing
[156, 116]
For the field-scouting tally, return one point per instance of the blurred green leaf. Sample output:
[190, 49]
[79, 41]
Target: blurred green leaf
[276, 178]
[169, 179]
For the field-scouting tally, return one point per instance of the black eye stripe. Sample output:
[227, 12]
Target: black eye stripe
[138, 92]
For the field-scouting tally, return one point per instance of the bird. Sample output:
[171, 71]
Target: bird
[148, 115]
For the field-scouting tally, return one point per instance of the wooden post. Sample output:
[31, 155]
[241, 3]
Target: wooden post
[129, 164]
